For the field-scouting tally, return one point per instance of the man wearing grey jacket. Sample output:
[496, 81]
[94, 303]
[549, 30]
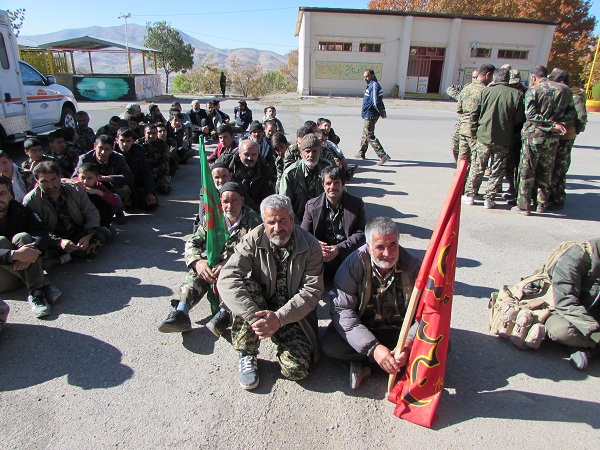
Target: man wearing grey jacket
[373, 286]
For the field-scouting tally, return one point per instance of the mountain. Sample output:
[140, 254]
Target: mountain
[117, 63]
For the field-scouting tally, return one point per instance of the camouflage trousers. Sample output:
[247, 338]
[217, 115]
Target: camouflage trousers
[455, 140]
[294, 349]
[562, 161]
[479, 162]
[368, 137]
[466, 147]
[193, 289]
[535, 167]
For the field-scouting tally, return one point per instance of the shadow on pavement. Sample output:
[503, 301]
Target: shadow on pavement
[34, 354]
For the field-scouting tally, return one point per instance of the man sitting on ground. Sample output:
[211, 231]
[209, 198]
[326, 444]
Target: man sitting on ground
[23, 238]
[158, 156]
[239, 220]
[272, 284]
[110, 129]
[373, 286]
[71, 218]
[105, 201]
[85, 135]
[270, 114]
[35, 153]
[163, 135]
[22, 180]
[182, 136]
[227, 143]
[242, 115]
[336, 219]
[66, 158]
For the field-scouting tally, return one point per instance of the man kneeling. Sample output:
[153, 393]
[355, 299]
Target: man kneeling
[272, 284]
[373, 286]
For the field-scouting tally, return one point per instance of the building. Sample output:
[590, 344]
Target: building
[410, 51]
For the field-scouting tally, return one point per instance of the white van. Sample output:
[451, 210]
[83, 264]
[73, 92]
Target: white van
[31, 102]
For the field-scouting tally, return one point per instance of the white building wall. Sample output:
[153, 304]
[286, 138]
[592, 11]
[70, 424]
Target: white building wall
[340, 73]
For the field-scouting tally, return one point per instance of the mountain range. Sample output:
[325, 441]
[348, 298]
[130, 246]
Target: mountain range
[117, 63]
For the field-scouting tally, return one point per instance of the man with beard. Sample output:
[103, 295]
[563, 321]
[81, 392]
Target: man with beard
[256, 133]
[23, 238]
[336, 219]
[158, 156]
[250, 169]
[70, 216]
[373, 286]
[302, 180]
[239, 220]
[272, 284]
[242, 115]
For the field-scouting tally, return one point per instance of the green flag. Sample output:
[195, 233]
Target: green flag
[216, 231]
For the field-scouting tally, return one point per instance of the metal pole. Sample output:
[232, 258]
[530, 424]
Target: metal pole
[587, 88]
[127, 16]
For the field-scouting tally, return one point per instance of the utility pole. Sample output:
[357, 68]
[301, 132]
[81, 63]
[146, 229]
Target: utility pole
[127, 16]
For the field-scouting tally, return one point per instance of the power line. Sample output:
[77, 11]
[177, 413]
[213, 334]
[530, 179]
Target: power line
[214, 13]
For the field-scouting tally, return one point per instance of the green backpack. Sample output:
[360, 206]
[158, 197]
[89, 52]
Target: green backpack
[534, 294]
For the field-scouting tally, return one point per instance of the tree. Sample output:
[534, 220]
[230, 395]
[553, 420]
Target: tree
[290, 70]
[175, 55]
[573, 42]
[245, 80]
[204, 79]
[17, 17]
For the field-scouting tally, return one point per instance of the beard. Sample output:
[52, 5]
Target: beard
[311, 164]
[280, 239]
[384, 263]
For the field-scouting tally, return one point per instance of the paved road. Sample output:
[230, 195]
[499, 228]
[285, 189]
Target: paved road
[97, 374]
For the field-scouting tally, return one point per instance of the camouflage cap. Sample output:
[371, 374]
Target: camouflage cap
[515, 77]
[133, 108]
[310, 141]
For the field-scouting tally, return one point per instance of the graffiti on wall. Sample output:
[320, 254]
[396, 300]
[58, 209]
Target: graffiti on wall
[148, 86]
[337, 70]
[103, 88]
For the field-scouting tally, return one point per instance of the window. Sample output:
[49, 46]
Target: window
[336, 46]
[30, 76]
[427, 51]
[513, 54]
[481, 52]
[371, 48]
[3, 54]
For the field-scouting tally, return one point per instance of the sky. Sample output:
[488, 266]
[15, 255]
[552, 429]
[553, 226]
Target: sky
[240, 24]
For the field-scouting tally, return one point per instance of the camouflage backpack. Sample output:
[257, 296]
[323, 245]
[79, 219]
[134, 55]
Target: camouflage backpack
[518, 312]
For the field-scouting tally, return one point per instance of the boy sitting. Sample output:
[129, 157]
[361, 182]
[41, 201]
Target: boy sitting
[105, 201]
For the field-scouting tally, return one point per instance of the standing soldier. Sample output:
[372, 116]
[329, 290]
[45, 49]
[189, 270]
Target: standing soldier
[223, 83]
[372, 109]
[453, 92]
[562, 161]
[548, 108]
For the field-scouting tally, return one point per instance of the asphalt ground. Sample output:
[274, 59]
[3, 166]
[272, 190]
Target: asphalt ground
[97, 374]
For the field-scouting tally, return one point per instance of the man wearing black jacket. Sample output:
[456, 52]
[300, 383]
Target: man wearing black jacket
[23, 238]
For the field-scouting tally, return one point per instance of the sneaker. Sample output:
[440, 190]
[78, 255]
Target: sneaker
[384, 159]
[358, 374]
[51, 293]
[359, 155]
[38, 303]
[523, 323]
[580, 359]
[489, 203]
[248, 371]
[516, 209]
[536, 335]
[220, 322]
[467, 200]
[176, 322]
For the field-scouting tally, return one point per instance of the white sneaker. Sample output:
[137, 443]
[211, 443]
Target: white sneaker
[467, 200]
[489, 204]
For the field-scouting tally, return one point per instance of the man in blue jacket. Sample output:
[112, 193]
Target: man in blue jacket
[372, 110]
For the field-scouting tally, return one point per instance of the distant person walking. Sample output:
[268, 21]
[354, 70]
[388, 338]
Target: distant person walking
[223, 83]
[372, 110]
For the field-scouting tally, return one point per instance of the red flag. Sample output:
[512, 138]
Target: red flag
[418, 392]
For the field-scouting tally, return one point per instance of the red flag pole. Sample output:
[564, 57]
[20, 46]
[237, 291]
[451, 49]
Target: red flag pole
[454, 193]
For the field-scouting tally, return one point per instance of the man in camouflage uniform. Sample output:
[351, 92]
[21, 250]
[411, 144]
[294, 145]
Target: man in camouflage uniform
[372, 109]
[453, 92]
[548, 108]
[86, 138]
[272, 284]
[64, 156]
[158, 156]
[562, 161]
[467, 102]
[239, 220]
[302, 180]
[292, 154]
[498, 110]
[373, 286]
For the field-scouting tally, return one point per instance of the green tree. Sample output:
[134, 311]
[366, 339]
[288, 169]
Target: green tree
[245, 80]
[204, 79]
[274, 81]
[175, 55]
[17, 17]
[573, 43]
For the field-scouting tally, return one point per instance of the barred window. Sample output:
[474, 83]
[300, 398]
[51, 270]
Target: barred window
[481, 52]
[427, 51]
[335, 46]
[513, 54]
[371, 48]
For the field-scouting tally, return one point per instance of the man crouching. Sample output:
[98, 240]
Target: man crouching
[278, 298]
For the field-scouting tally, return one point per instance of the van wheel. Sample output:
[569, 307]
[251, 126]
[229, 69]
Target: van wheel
[67, 118]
